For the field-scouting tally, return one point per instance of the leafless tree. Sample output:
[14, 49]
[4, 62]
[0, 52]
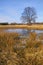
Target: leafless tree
[29, 15]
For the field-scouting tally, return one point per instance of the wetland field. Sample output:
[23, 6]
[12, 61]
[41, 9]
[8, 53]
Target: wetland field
[21, 47]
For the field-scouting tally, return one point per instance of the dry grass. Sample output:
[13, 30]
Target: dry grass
[40, 27]
[13, 52]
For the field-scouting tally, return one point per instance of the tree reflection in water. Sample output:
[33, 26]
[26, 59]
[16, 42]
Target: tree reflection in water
[27, 32]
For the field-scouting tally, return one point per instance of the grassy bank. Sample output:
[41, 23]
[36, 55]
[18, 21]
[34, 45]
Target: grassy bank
[40, 27]
[21, 51]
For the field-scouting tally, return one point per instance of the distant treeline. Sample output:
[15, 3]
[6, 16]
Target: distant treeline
[3, 23]
[20, 24]
[26, 23]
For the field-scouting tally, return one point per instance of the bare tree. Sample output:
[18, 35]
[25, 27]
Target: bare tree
[29, 15]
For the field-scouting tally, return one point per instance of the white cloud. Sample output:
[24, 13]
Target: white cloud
[6, 19]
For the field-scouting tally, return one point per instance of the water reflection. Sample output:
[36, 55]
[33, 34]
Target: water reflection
[26, 32]
[22, 31]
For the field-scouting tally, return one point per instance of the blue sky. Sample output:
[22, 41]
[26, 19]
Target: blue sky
[10, 10]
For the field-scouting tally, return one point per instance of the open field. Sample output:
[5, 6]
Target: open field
[37, 26]
[13, 51]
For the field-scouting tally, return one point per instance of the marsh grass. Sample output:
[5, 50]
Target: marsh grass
[34, 27]
[14, 52]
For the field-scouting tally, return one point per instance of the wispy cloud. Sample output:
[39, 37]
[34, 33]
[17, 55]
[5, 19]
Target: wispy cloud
[8, 14]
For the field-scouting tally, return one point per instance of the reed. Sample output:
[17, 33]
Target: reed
[13, 51]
